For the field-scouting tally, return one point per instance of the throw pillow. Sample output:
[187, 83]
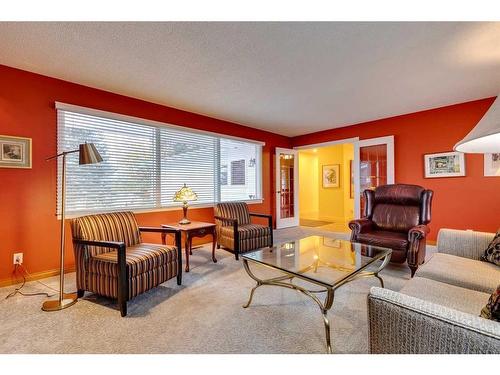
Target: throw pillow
[492, 252]
[492, 308]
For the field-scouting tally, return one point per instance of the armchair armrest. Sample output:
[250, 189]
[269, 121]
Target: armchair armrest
[418, 232]
[226, 220]
[111, 244]
[269, 224]
[122, 268]
[269, 218]
[360, 226]
[402, 324]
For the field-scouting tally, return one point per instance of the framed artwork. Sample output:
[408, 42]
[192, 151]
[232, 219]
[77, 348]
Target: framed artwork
[351, 174]
[444, 164]
[331, 176]
[15, 152]
[332, 242]
[492, 164]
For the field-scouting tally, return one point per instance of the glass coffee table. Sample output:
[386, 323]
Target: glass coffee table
[328, 263]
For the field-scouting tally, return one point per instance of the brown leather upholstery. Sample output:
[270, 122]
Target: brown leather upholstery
[396, 216]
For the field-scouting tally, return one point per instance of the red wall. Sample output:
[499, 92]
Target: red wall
[470, 202]
[28, 196]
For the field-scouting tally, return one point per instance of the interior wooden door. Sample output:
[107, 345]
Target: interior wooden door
[375, 166]
[287, 214]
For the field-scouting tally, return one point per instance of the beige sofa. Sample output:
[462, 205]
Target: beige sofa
[438, 310]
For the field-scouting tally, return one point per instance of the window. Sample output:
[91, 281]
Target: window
[238, 172]
[145, 163]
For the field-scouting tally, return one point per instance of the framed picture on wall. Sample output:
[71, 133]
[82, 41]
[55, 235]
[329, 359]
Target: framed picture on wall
[444, 164]
[331, 175]
[492, 164]
[15, 152]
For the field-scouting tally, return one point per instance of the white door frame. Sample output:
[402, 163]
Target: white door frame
[389, 141]
[291, 221]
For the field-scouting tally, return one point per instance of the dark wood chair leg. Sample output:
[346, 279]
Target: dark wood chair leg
[123, 308]
[218, 246]
[413, 269]
[80, 293]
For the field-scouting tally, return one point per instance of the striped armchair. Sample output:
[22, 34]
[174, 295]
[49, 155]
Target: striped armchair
[236, 233]
[112, 261]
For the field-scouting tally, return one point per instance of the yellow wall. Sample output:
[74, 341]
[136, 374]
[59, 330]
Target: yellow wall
[317, 202]
[308, 185]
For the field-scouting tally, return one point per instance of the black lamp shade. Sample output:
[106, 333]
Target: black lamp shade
[89, 154]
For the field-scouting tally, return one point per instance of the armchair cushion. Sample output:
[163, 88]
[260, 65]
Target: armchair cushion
[392, 240]
[492, 308]
[462, 272]
[140, 258]
[247, 231]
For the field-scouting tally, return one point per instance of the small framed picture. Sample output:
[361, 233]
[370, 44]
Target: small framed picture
[331, 176]
[445, 164]
[15, 152]
[492, 164]
[332, 242]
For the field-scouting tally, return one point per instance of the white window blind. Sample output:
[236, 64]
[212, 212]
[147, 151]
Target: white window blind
[145, 164]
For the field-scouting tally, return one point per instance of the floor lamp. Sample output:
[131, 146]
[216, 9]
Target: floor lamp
[88, 155]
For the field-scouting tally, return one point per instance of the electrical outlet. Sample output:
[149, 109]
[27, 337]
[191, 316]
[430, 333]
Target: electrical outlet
[18, 258]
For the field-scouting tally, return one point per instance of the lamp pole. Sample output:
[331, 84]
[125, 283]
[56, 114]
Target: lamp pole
[65, 300]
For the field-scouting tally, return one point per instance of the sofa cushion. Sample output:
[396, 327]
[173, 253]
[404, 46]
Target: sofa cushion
[492, 252]
[384, 238]
[455, 297]
[463, 272]
[492, 308]
[140, 259]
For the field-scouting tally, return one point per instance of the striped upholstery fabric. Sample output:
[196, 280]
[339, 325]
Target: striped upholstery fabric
[139, 258]
[234, 210]
[148, 265]
[252, 236]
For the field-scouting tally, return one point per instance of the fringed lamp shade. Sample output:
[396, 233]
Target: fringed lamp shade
[485, 137]
[185, 194]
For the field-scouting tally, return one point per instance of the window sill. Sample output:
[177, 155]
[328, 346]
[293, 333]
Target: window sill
[148, 210]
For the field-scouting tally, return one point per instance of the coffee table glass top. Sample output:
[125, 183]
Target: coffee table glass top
[322, 260]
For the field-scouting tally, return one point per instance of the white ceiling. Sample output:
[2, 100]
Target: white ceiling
[289, 78]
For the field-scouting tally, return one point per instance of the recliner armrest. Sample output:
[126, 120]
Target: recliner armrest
[360, 225]
[418, 232]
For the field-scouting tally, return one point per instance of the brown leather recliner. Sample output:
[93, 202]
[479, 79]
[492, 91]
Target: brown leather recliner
[396, 216]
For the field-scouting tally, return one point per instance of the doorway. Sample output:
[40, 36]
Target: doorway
[326, 186]
[321, 185]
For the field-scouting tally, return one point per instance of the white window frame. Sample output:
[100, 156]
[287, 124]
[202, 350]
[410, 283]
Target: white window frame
[141, 121]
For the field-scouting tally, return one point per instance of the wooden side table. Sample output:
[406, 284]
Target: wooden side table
[194, 229]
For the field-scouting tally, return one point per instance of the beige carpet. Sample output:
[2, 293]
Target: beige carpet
[204, 315]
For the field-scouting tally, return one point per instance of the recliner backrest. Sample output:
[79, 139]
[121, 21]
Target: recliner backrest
[398, 207]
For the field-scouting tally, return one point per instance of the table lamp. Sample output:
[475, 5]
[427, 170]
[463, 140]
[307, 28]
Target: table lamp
[184, 195]
[88, 155]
